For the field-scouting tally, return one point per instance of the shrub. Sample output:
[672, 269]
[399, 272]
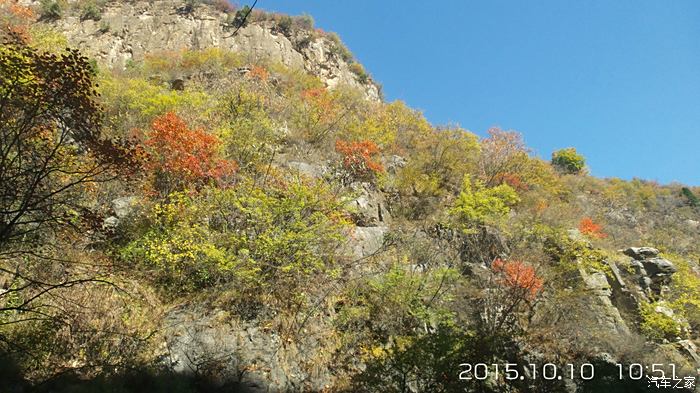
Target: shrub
[270, 242]
[502, 153]
[304, 21]
[181, 157]
[51, 9]
[518, 277]
[15, 19]
[250, 136]
[568, 161]
[133, 103]
[104, 27]
[240, 18]
[91, 9]
[223, 5]
[338, 48]
[589, 228]
[318, 115]
[685, 290]
[692, 199]
[359, 159]
[357, 69]
[658, 325]
[284, 24]
[478, 204]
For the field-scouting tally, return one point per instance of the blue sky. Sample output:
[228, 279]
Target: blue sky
[618, 80]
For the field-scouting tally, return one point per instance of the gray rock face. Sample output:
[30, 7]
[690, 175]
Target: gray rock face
[365, 241]
[658, 266]
[640, 253]
[369, 208]
[607, 316]
[240, 356]
[128, 30]
[306, 169]
[123, 206]
[394, 163]
[110, 222]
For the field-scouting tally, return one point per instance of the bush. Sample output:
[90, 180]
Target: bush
[250, 136]
[51, 9]
[360, 72]
[692, 199]
[91, 9]
[503, 153]
[304, 21]
[284, 24]
[477, 204]
[222, 5]
[568, 161]
[181, 157]
[658, 325]
[589, 228]
[339, 49]
[359, 160]
[240, 18]
[270, 242]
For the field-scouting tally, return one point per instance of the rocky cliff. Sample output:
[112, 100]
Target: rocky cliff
[127, 31]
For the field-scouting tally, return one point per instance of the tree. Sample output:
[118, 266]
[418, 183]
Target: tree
[568, 161]
[503, 156]
[52, 156]
[478, 205]
[589, 228]
[15, 18]
[180, 157]
[359, 159]
[517, 285]
[51, 150]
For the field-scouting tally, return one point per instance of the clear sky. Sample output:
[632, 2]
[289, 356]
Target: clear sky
[618, 80]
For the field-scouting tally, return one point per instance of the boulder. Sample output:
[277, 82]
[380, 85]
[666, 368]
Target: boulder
[123, 206]
[369, 208]
[311, 170]
[598, 283]
[659, 266]
[394, 163]
[640, 253]
[177, 84]
[110, 222]
[365, 241]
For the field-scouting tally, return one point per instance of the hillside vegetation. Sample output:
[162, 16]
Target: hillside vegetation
[199, 220]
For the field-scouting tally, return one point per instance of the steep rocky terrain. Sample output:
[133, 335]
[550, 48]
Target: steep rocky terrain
[127, 31]
[277, 227]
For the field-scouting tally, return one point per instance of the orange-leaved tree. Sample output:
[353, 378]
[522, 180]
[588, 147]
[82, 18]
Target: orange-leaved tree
[517, 285]
[180, 157]
[15, 19]
[519, 277]
[359, 159]
[589, 228]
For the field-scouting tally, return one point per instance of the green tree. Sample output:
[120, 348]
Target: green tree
[568, 161]
[478, 205]
[51, 149]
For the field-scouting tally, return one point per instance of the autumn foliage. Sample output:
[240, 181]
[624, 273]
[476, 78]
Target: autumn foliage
[180, 156]
[259, 72]
[512, 179]
[15, 18]
[589, 228]
[518, 276]
[359, 159]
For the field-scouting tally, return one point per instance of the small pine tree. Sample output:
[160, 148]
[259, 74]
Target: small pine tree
[692, 199]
